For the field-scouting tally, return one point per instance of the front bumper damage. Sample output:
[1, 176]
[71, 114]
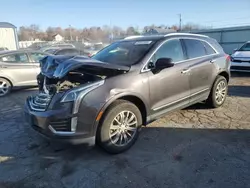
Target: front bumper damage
[57, 124]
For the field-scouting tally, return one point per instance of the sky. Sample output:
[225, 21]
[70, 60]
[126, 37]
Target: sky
[124, 13]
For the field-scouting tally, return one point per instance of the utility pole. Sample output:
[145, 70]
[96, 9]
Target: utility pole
[180, 20]
[70, 33]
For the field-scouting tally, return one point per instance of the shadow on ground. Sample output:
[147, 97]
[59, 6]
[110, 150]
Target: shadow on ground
[162, 157]
[240, 74]
[239, 91]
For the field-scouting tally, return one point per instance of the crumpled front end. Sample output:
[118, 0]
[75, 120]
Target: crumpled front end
[64, 81]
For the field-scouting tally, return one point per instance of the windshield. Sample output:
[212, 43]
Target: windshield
[124, 52]
[245, 47]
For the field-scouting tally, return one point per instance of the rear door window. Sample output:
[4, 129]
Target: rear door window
[36, 57]
[15, 58]
[194, 48]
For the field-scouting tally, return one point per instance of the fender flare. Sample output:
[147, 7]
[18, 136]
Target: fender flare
[114, 98]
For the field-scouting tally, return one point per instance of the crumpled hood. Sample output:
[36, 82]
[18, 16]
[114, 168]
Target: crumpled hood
[241, 54]
[59, 66]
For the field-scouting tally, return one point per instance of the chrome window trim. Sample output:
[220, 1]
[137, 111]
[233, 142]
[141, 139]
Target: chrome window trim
[179, 38]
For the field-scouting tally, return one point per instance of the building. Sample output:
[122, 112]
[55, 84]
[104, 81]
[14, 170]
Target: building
[8, 36]
[229, 38]
[58, 38]
[158, 31]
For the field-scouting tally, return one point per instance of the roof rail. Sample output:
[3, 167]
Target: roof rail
[188, 34]
[132, 37]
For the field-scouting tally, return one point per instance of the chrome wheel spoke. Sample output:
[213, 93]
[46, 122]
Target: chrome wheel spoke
[114, 127]
[125, 137]
[114, 133]
[128, 133]
[116, 138]
[121, 138]
[131, 129]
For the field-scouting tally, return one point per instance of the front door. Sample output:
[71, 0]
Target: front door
[18, 67]
[169, 88]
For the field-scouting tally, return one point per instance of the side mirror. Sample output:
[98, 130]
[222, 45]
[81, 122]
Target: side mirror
[163, 63]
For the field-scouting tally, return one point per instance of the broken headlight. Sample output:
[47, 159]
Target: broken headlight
[78, 93]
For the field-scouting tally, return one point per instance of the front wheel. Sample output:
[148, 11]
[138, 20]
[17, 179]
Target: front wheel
[120, 127]
[218, 92]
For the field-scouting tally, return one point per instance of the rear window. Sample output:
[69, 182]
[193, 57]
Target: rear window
[194, 48]
[67, 52]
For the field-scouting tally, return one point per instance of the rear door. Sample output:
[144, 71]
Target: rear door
[35, 57]
[18, 68]
[200, 55]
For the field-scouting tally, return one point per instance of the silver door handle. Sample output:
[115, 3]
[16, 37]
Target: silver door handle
[212, 61]
[185, 71]
[3, 66]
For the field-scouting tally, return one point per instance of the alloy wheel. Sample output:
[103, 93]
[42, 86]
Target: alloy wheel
[220, 92]
[4, 87]
[123, 128]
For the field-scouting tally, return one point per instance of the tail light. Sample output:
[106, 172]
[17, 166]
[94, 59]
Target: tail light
[228, 58]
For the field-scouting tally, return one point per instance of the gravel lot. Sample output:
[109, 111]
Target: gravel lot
[195, 147]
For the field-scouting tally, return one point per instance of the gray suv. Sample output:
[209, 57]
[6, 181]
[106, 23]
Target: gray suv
[106, 99]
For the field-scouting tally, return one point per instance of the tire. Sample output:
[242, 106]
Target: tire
[213, 99]
[5, 87]
[111, 138]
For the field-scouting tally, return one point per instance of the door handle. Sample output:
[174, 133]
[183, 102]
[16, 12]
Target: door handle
[185, 71]
[212, 61]
[3, 67]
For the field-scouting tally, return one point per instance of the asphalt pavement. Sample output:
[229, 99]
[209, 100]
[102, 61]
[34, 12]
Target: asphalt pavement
[194, 147]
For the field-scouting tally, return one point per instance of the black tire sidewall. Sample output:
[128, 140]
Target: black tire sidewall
[103, 131]
[213, 97]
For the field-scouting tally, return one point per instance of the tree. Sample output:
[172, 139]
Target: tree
[131, 31]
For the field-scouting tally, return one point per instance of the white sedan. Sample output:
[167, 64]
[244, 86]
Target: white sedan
[240, 59]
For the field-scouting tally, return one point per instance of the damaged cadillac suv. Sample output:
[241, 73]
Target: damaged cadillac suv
[107, 98]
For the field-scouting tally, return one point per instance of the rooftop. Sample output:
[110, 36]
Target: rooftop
[6, 25]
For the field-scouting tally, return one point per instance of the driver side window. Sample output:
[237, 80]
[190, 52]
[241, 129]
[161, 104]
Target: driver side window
[170, 49]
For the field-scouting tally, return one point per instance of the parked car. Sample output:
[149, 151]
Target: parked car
[92, 50]
[240, 59]
[106, 99]
[18, 68]
[56, 46]
[66, 51]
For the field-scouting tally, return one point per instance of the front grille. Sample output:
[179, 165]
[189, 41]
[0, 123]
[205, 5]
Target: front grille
[40, 102]
[241, 60]
[240, 68]
[62, 125]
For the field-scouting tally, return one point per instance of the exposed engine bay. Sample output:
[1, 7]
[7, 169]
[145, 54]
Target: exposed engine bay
[61, 73]
[71, 80]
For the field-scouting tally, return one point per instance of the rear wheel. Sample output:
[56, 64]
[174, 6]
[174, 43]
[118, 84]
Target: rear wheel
[5, 87]
[120, 127]
[218, 92]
